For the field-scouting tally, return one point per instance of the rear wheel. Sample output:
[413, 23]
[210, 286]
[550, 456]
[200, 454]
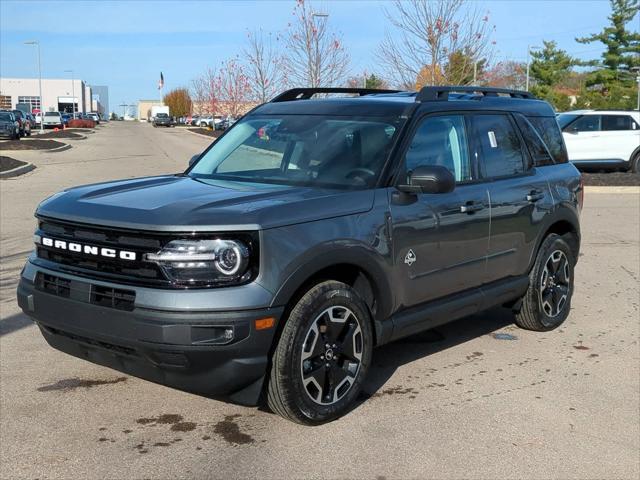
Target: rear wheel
[322, 357]
[547, 302]
[635, 163]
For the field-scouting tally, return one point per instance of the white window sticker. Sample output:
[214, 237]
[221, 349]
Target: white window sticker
[492, 139]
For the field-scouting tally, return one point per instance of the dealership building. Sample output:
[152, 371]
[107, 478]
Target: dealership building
[58, 94]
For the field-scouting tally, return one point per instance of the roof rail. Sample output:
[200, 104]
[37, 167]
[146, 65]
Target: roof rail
[431, 94]
[306, 93]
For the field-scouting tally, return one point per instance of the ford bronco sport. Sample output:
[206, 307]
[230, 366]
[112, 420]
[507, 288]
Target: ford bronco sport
[313, 230]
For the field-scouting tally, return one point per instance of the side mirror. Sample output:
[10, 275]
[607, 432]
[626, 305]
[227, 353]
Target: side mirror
[429, 179]
[194, 159]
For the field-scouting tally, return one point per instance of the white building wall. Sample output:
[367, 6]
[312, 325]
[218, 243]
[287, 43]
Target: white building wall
[53, 90]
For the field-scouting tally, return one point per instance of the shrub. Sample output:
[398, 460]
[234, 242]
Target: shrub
[81, 123]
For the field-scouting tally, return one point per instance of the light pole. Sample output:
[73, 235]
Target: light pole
[637, 70]
[37, 43]
[73, 93]
[529, 50]
[315, 80]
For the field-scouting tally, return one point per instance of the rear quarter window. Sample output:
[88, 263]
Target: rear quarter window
[549, 131]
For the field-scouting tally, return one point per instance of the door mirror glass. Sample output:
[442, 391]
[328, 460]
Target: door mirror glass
[429, 179]
[194, 159]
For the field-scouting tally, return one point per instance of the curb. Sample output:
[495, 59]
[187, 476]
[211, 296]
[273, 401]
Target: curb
[21, 170]
[598, 189]
[66, 146]
[201, 134]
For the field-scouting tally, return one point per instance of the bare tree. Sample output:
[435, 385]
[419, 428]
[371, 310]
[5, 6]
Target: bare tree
[264, 65]
[234, 90]
[204, 93]
[434, 41]
[315, 56]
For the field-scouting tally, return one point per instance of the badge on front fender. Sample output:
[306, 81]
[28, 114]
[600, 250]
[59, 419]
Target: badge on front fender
[410, 258]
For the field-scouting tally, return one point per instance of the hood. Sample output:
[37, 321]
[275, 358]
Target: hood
[181, 203]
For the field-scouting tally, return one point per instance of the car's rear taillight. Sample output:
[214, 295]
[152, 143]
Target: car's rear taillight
[581, 193]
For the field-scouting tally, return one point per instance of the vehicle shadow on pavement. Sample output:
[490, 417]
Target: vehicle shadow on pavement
[13, 323]
[388, 358]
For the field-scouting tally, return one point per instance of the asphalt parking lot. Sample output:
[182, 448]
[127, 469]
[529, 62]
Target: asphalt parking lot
[477, 399]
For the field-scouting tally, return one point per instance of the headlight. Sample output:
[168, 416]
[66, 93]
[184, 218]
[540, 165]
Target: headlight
[217, 261]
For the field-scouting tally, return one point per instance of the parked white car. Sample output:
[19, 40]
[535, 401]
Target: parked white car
[52, 119]
[602, 139]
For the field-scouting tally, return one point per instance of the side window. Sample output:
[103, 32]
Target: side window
[441, 140]
[498, 146]
[586, 123]
[536, 146]
[549, 131]
[617, 122]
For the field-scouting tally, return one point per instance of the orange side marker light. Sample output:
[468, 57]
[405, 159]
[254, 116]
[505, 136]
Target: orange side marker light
[264, 323]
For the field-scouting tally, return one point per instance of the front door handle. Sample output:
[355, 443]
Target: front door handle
[535, 195]
[471, 207]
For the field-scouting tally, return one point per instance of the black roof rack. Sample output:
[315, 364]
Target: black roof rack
[306, 93]
[431, 94]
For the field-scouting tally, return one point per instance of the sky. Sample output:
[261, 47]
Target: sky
[125, 44]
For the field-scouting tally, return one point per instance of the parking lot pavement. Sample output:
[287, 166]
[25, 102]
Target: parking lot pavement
[477, 399]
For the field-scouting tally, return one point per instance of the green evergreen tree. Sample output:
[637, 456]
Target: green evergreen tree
[374, 81]
[612, 83]
[550, 67]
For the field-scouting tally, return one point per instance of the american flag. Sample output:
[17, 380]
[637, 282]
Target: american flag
[161, 82]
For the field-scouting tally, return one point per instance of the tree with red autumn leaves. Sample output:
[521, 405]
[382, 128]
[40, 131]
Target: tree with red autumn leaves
[226, 91]
[435, 42]
[315, 56]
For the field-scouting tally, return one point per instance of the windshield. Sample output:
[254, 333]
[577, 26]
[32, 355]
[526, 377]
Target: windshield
[314, 150]
[52, 114]
[5, 117]
[162, 115]
[565, 119]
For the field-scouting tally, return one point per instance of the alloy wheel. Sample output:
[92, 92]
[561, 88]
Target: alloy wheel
[331, 355]
[555, 284]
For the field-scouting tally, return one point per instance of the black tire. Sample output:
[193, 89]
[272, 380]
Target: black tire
[635, 163]
[309, 328]
[542, 307]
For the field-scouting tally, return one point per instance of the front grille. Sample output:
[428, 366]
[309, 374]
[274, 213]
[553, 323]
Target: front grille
[112, 297]
[116, 298]
[55, 285]
[136, 272]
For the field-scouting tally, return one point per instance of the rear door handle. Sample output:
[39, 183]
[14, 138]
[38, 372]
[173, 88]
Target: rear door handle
[535, 195]
[471, 207]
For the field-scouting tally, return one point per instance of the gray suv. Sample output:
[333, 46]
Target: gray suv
[310, 232]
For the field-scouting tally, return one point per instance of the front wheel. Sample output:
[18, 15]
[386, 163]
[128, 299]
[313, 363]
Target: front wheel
[547, 302]
[322, 357]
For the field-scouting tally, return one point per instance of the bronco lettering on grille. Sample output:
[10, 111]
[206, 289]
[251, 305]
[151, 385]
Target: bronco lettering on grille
[87, 249]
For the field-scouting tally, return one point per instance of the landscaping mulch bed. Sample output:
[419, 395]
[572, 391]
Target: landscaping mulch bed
[8, 163]
[611, 179]
[206, 131]
[60, 134]
[35, 144]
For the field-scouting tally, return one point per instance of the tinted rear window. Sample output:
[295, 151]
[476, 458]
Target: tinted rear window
[549, 131]
[617, 122]
[536, 146]
[499, 145]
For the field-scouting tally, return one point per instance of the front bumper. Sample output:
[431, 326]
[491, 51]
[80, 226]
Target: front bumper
[172, 347]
